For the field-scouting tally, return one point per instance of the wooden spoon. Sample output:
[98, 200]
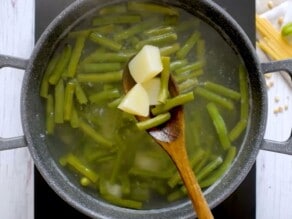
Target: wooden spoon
[171, 137]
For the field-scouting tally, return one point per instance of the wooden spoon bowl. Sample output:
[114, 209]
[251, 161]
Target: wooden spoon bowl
[171, 137]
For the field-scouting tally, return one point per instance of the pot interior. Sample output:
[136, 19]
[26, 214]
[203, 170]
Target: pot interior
[88, 202]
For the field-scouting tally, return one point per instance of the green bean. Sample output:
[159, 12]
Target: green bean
[153, 8]
[80, 94]
[221, 169]
[237, 130]
[209, 168]
[50, 117]
[116, 102]
[68, 100]
[190, 67]
[176, 195]
[101, 77]
[76, 53]
[108, 57]
[45, 81]
[153, 122]
[219, 125]
[118, 163]
[177, 64]
[104, 95]
[171, 20]
[173, 102]
[123, 202]
[188, 45]
[59, 102]
[201, 50]
[85, 33]
[243, 84]
[164, 78]
[126, 34]
[158, 40]
[126, 185]
[118, 19]
[187, 85]
[158, 31]
[213, 97]
[169, 50]
[61, 65]
[188, 75]
[222, 90]
[82, 169]
[113, 9]
[105, 42]
[99, 67]
[97, 137]
[74, 120]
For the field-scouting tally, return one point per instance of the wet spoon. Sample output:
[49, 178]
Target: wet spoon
[171, 137]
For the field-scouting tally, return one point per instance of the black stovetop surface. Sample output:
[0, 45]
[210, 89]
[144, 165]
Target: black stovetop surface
[240, 205]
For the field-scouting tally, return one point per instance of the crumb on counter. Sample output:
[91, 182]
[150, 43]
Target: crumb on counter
[280, 20]
[277, 99]
[270, 4]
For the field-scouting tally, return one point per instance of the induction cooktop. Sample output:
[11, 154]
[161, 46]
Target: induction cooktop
[240, 205]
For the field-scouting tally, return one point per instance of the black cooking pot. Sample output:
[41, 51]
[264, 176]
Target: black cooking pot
[33, 116]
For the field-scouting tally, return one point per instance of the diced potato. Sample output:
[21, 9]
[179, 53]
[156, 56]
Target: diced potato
[152, 88]
[146, 64]
[136, 101]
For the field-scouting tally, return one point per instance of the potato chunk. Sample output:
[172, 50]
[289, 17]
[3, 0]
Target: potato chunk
[152, 88]
[146, 64]
[136, 101]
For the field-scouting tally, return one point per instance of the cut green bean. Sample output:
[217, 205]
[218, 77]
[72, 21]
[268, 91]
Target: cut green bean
[169, 50]
[158, 31]
[209, 168]
[176, 195]
[105, 42]
[99, 67]
[118, 19]
[212, 178]
[59, 102]
[190, 67]
[126, 34]
[222, 90]
[104, 95]
[150, 7]
[74, 120]
[164, 78]
[85, 32]
[108, 57]
[50, 115]
[188, 75]
[173, 102]
[187, 85]
[219, 125]
[61, 65]
[123, 202]
[82, 169]
[201, 50]
[153, 122]
[114, 104]
[213, 97]
[45, 81]
[97, 137]
[177, 64]
[101, 77]
[76, 53]
[243, 84]
[237, 130]
[80, 94]
[188, 45]
[158, 40]
[68, 100]
[113, 9]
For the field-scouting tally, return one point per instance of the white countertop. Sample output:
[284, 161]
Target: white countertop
[273, 171]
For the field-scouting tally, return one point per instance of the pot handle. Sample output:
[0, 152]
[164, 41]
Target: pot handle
[284, 147]
[15, 142]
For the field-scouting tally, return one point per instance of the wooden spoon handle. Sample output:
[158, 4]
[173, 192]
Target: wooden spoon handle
[195, 193]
